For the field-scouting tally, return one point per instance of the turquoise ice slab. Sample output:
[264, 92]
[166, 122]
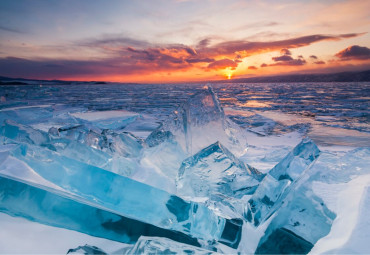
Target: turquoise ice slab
[118, 194]
[23, 200]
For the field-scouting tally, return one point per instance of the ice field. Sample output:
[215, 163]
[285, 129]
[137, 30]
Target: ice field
[185, 168]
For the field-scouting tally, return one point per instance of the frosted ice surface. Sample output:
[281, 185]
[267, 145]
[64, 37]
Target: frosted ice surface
[27, 114]
[276, 184]
[198, 123]
[116, 193]
[156, 245]
[216, 172]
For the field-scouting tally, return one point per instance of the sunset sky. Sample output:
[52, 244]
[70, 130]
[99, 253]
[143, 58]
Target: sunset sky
[181, 40]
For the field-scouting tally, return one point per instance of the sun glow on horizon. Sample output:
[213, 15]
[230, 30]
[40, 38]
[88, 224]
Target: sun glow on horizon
[228, 73]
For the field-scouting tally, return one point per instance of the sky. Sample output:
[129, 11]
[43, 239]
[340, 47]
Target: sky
[181, 40]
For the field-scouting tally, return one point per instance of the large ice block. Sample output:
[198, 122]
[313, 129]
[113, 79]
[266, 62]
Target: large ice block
[156, 245]
[117, 194]
[215, 172]
[277, 183]
[47, 206]
[198, 123]
[298, 225]
[303, 219]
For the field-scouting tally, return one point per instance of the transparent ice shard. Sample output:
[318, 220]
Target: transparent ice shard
[156, 245]
[198, 123]
[215, 172]
[292, 166]
[122, 195]
[277, 183]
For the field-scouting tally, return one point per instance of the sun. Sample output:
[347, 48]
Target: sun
[228, 75]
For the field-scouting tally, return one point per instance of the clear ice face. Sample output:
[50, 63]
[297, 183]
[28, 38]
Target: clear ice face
[215, 172]
[198, 123]
[278, 182]
[165, 160]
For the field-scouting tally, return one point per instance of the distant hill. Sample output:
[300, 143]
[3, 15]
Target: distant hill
[331, 77]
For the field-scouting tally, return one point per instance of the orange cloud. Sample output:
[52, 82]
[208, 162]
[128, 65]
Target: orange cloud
[125, 57]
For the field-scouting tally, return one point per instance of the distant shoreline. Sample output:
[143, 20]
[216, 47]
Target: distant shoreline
[362, 76]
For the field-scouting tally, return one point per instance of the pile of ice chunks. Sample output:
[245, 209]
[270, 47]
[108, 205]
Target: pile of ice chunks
[182, 190]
